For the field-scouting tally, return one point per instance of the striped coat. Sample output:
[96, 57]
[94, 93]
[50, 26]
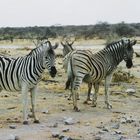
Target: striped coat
[93, 68]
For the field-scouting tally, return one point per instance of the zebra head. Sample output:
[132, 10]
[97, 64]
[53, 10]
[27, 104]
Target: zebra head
[49, 57]
[128, 51]
[67, 47]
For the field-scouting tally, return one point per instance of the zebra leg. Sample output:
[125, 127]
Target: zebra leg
[33, 101]
[94, 99]
[69, 86]
[74, 97]
[89, 92]
[24, 92]
[107, 84]
[75, 86]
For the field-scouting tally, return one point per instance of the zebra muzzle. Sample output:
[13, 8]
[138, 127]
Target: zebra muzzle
[129, 63]
[53, 71]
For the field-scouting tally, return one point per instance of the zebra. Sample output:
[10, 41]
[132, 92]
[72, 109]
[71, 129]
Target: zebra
[67, 51]
[67, 47]
[24, 73]
[93, 68]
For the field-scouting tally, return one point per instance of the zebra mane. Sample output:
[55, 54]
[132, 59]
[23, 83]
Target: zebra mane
[31, 52]
[112, 43]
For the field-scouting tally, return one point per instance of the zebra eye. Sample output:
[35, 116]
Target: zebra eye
[46, 57]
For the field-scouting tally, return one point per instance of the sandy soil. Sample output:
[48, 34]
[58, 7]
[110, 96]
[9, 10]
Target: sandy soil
[122, 122]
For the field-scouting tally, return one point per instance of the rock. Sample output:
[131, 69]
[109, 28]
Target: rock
[13, 137]
[87, 124]
[63, 109]
[13, 126]
[55, 134]
[123, 120]
[105, 129]
[65, 138]
[53, 125]
[17, 138]
[45, 111]
[116, 126]
[97, 138]
[130, 91]
[138, 131]
[68, 121]
[118, 132]
[65, 130]
[101, 132]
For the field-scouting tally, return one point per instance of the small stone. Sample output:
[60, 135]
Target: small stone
[138, 131]
[44, 98]
[65, 138]
[11, 137]
[118, 132]
[53, 125]
[97, 138]
[105, 129]
[123, 120]
[65, 130]
[17, 138]
[6, 96]
[63, 109]
[45, 111]
[68, 121]
[55, 134]
[13, 126]
[116, 126]
[87, 124]
[130, 91]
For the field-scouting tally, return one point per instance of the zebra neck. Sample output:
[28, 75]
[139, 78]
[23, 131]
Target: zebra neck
[114, 55]
[36, 63]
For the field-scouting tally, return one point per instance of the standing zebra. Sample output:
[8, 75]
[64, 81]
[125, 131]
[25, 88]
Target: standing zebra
[24, 73]
[67, 52]
[93, 68]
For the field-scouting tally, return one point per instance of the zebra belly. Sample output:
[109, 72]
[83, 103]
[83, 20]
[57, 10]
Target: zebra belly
[9, 88]
[89, 79]
[9, 84]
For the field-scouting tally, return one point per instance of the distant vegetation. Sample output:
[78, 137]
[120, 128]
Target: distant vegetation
[101, 30]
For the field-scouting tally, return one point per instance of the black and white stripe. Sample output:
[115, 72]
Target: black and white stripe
[67, 52]
[93, 68]
[24, 73]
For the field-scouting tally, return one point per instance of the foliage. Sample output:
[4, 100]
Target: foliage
[102, 30]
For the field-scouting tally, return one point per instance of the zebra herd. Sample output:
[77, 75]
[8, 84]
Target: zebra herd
[24, 73]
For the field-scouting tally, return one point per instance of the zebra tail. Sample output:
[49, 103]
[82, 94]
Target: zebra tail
[70, 73]
[67, 84]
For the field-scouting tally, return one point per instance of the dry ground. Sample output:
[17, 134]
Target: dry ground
[120, 123]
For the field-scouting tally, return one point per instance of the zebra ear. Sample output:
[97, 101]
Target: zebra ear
[134, 42]
[62, 44]
[55, 46]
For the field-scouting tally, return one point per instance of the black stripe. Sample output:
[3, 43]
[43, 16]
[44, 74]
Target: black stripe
[12, 73]
[6, 73]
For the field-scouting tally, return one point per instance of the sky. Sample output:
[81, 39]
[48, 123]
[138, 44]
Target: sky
[22, 13]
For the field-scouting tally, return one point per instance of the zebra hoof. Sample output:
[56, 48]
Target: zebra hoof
[109, 106]
[94, 104]
[36, 121]
[76, 109]
[25, 122]
[85, 102]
